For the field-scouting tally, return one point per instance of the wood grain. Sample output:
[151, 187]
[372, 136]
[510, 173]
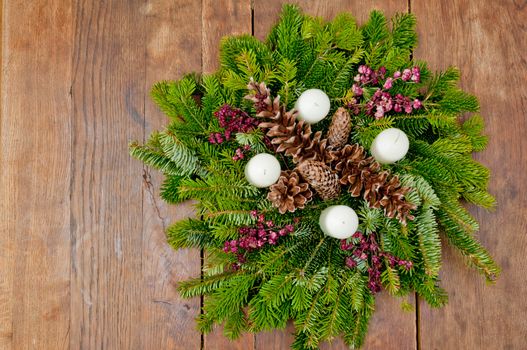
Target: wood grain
[108, 92]
[35, 160]
[390, 327]
[167, 320]
[488, 43]
[35, 156]
[229, 17]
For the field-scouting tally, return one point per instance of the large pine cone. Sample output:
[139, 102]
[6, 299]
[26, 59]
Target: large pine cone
[364, 175]
[321, 178]
[340, 128]
[355, 167]
[289, 193]
[290, 136]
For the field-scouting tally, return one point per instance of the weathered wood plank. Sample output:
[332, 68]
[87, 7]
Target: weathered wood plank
[173, 48]
[108, 92]
[390, 326]
[488, 43]
[230, 17]
[35, 157]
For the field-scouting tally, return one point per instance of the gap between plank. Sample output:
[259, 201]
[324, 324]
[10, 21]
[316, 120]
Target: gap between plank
[416, 296]
[201, 251]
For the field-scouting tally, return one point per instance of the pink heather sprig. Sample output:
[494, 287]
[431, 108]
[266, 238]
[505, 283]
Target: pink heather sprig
[382, 101]
[240, 152]
[256, 237]
[366, 249]
[232, 120]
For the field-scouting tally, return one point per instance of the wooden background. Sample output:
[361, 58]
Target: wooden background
[83, 258]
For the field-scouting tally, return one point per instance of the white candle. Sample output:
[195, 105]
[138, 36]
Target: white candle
[339, 221]
[312, 105]
[390, 146]
[262, 170]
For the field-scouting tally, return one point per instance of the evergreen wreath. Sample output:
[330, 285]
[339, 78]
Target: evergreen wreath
[267, 258]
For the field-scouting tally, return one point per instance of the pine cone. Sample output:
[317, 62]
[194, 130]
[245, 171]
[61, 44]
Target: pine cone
[364, 175]
[340, 128]
[290, 136]
[355, 167]
[393, 200]
[321, 178]
[260, 94]
[289, 193]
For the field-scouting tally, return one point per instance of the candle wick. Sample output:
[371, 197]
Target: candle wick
[397, 138]
[265, 171]
[316, 104]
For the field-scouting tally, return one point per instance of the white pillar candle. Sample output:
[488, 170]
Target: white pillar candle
[390, 146]
[312, 105]
[262, 170]
[339, 221]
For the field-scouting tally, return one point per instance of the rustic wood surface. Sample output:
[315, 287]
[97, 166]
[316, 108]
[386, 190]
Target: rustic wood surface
[83, 258]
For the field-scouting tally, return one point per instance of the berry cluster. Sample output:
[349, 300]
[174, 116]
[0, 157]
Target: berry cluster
[382, 101]
[256, 237]
[239, 154]
[232, 120]
[365, 248]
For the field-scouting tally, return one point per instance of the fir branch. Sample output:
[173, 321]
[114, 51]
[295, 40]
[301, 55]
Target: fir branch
[191, 233]
[203, 286]
[429, 241]
[403, 31]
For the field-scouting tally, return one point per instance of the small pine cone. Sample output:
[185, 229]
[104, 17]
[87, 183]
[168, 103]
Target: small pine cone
[340, 128]
[260, 94]
[289, 193]
[321, 178]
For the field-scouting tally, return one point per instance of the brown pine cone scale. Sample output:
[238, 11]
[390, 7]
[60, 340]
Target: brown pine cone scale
[321, 178]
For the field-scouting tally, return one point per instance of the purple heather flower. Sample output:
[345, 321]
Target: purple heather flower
[255, 237]
[417, 104]
[416, 74]
[379, 113]
[381, 72]
[350, 262]
[232, 120]
[357, 90]
[407, 74]
[397, 74]
[388, 84]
